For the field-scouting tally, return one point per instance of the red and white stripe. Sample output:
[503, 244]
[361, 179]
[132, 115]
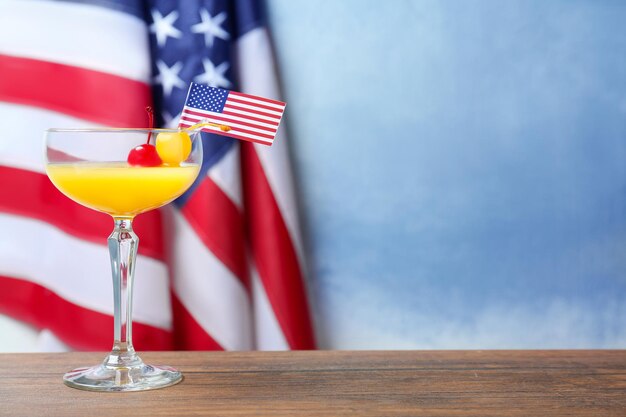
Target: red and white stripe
[280, 294]
[54, 276]
[195, 287]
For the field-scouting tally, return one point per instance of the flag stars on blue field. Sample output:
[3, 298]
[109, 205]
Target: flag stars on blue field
[211, 27]
[208, 98]
[163, 26]
[168, 77]
[212, 75]
[188, 47]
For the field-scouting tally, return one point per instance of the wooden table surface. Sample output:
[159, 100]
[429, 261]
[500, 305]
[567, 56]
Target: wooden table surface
[332, 383]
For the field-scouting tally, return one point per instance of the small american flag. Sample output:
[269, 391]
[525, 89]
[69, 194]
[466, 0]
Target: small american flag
[250, 118]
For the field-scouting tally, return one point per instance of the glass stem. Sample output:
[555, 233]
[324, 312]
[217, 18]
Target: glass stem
[123, 244]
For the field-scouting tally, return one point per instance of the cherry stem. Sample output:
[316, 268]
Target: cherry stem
[150, 121]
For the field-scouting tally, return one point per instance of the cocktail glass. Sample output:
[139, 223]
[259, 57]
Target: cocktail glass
[90, 167]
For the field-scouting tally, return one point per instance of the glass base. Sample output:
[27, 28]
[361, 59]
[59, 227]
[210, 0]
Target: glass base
[138, 377]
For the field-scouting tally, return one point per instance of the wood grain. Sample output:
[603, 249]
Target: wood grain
[334, 383]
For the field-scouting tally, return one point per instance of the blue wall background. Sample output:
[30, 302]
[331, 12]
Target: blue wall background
[462, 169]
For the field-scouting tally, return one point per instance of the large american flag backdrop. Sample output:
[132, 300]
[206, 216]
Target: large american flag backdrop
[221, 268]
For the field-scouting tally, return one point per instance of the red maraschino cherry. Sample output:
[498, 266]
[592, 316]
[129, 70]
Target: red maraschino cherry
[145, 155]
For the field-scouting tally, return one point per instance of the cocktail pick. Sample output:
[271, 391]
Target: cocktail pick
[206, 122]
